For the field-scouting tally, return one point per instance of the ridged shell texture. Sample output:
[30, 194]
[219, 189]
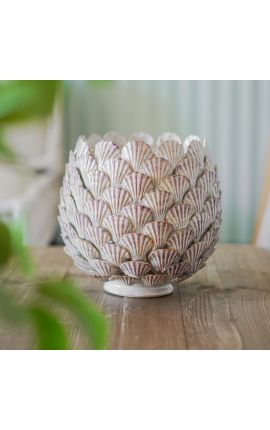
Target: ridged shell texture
[137, 210]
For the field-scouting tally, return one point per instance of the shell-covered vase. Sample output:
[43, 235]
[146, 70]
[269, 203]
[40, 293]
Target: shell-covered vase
[138, 214]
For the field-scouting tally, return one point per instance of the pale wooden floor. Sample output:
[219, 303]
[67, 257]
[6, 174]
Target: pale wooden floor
[224, 306]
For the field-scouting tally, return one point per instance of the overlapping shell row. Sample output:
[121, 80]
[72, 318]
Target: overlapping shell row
[135, 210]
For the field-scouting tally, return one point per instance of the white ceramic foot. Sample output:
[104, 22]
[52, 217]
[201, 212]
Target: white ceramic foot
[119, 288]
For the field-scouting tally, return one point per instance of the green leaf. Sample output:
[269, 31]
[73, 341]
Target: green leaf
[5, 244]
[9, 310]
[92, 320]
[19, 249]
[23, 100]
[5, 152]
[49, 331]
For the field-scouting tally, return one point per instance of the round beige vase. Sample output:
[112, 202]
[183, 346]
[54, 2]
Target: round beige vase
[140, 214]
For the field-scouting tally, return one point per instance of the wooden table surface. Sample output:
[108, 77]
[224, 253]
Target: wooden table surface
[224, 306]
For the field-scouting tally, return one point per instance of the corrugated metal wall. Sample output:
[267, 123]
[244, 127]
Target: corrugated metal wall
[234, 116]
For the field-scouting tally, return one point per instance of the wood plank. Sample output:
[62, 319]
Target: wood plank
[210, 299]
[112, 306]
[151, 323]
[224, 306]
[206, 318]
[250, 314]
[49, 263]
[13, 337]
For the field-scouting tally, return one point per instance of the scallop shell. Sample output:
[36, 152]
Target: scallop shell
[153, 280]
[156, 168]
[70, 250]
[210, 249]
[195, 197]
[195, 148]
[103, 268]
[137, 244]
[117, 225]
[210, 235]
[172, 151]
[67, 214]
[74, 178]
[97, 235]
[62, 219]
[97, 182]
[135, 153]
[70, 243]
[64, 191]
[87, 250]
[206, 181]
[114, 254]
[70, 204]
[71, 234]
[197, 265]
[175, 271]
[180, 240]
[138, 214]
[209, 166]
[104, 150]
[195, 252]
[67, 169]
[116, 198]
[179, 215]
[81, 147]
[168, 136]
[177, 185]
[115, 138]
[216, 192]
[137, 184]
[161, 259]
[86, 164]
[159, 232]
[135, 269]
[92, 140]
[96, 210]
[81, 223]
[189, 168]
[212, 206]
[126, 279]
[199, 224]
[72, 159]
[83, 265]
[217, 221]
[158, 201]
[143, 137]
[81, 197]
[117, 169]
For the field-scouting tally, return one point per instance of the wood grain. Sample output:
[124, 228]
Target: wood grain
[224, 306]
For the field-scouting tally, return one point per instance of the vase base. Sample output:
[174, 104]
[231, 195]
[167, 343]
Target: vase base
[119, 288]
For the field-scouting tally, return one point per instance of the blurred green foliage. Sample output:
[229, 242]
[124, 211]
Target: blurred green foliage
[5, 248]
[16, 229]
[47, 326]
[28, 100]
[23, 101]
